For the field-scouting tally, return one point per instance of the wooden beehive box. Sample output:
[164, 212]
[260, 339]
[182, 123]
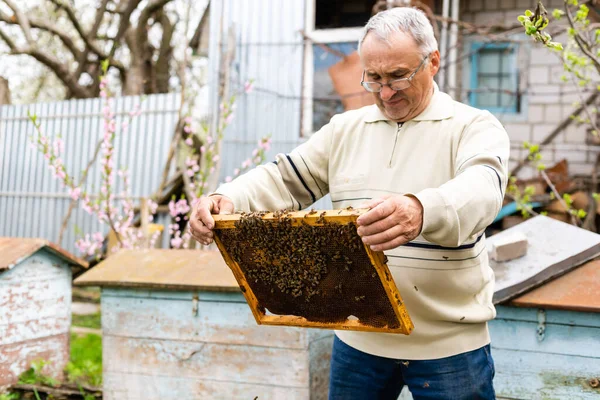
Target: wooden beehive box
[545, 334]
[311, 269]
[176, 326]
[35, 306]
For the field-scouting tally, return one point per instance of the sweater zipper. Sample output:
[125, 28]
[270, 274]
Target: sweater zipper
[395, 142]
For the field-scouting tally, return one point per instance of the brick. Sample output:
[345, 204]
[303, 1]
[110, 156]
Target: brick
[535, 113]
[510, 17]
[489, 18]
[475, 5]
[518, 132]
[553, 113]
[509, 247]
[544, 94]
[507, 4]
[580, 169]
[575, 134]
[492, 5]
[539, 74]
[541, 131]
[540, 55]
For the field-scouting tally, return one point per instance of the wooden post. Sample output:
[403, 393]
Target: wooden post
[144, 216]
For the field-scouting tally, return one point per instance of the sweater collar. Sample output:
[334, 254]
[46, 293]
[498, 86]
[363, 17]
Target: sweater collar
[441, 106]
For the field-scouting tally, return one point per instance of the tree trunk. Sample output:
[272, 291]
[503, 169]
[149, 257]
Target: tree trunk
[4, 92]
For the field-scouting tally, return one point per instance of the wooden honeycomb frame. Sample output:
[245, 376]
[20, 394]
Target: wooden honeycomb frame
[318, 218]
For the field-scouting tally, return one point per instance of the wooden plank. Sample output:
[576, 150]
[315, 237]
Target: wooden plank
[214, 322]
[552, 316]
[35, 299]
[317, 218]
[162, 269]
[227, 297]
[125, 386]
[16, 358]
[559, 339]
[578, 290]
[227, 221]
[555, 248]
[194, 360]
[540, 375]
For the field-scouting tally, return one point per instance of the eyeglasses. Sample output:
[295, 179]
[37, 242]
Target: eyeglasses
[397, 84]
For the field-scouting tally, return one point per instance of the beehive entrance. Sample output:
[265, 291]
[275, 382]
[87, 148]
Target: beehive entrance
[310, 269]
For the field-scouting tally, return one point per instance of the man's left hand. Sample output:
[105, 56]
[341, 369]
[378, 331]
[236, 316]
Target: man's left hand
[391, 222]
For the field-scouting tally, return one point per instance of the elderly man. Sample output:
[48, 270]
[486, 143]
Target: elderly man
[433, 172]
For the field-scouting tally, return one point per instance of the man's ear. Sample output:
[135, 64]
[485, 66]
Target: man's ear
[434, 63]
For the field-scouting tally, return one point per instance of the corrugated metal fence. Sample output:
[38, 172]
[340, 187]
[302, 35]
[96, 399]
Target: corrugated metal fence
[33, 203]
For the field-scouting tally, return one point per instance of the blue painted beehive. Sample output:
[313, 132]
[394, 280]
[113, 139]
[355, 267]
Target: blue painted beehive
[176, 326]
[35, 306]
[546, 342]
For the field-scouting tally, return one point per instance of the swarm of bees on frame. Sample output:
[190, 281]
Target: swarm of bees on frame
[291, 260]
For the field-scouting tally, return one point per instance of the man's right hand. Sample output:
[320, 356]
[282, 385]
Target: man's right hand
[202, 222]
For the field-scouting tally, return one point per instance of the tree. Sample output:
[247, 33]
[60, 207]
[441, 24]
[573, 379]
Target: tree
[138, 38]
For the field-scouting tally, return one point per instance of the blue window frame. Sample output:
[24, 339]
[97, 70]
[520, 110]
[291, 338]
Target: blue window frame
[495, 77]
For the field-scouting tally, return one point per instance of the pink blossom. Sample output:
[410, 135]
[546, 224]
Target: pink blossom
[248, 86]
[187, 129]
[209, 139]
[176, 242]
[125, 125]
[228, 119]
[236, 172]
[215, 158]
[212, 170]
[222, 107]
[202, 150]
[246, 163]
[254, 153]
[265, 144]
[228, 179]
[189, 141]
[74, 193]
[257, 160]
[190, 172]
[187, 120]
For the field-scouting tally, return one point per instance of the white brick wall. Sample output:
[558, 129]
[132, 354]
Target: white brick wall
[547, 100]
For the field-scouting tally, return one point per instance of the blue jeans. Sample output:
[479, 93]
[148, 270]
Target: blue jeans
[356, 376]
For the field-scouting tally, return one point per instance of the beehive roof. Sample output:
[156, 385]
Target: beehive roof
[14, 250]
[162, 269]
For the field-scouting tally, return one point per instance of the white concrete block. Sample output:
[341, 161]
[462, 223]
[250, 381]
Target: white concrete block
[541, 131]
[535, 113]
[518, 132]
[509, 247]
[539, 74]
[553, 113]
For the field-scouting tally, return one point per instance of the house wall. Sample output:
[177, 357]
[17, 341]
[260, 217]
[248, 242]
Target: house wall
[35, 316]
[159, 345]
[547, 100]
[559, 366]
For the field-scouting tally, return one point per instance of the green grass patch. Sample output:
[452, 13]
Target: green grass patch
[85, 366]
[87, 321]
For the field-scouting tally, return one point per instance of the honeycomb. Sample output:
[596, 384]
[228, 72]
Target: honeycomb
[312, 265]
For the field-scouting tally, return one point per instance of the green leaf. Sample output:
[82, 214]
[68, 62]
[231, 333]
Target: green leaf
[528, 13]
[104, 64]
[521, 18]
[557, 13]
[581, 214]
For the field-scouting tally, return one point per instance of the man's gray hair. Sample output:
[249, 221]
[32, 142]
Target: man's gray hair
[402, 19]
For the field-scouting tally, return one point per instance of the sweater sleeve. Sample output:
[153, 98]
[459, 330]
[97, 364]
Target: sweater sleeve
[468, 203]
[293, 181]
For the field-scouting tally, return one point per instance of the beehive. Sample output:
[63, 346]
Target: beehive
[311, 269]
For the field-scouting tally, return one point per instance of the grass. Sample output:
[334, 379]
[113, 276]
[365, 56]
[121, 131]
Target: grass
[86, 321]
[85, 366]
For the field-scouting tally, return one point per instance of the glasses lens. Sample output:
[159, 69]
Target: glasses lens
[400, 84]
[372, 86]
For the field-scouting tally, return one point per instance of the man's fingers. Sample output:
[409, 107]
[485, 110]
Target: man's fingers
[203, 212]
[372, 203]
[384, 236]
[376, 227]
[379, 212]
[225, 206]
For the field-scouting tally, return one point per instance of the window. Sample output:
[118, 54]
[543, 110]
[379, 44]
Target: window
[333, 28]
[494, 78]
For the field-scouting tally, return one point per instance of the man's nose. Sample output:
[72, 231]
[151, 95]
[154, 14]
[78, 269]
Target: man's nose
[386, 93]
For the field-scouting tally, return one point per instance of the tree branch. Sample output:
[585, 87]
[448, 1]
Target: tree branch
[197, 37]
[22, 20]
[165, 53]
[125, 12]
[581, 42]
[43, 26]
[8, 40]
[83, 58]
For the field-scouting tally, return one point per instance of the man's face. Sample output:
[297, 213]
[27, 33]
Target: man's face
[385, 62]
